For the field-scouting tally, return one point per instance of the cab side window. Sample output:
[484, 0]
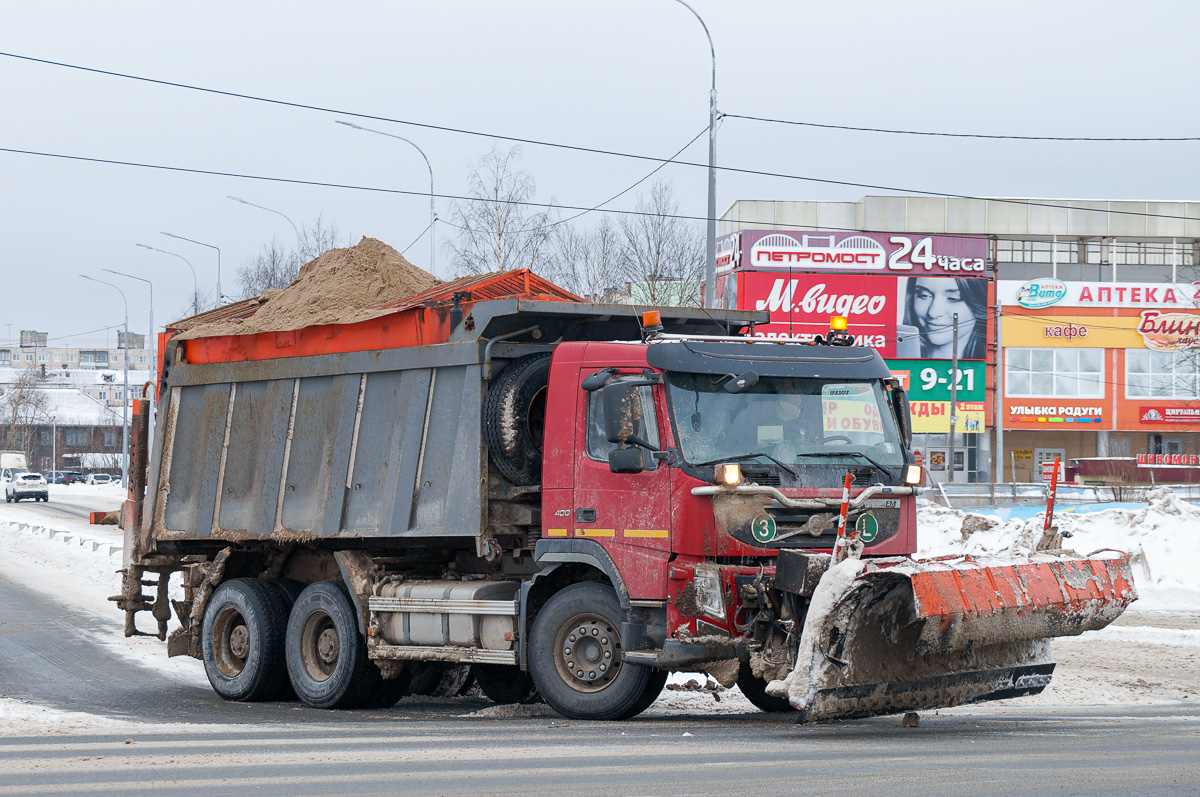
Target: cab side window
[598, 447]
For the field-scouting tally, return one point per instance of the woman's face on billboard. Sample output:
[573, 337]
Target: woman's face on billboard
[935, 301]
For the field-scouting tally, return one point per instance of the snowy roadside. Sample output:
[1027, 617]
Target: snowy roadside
[1151, 655]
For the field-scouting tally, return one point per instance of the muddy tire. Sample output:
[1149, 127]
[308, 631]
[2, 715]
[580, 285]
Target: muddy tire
[506, 683]
[755, 690]
[389, 691]
[575, 656]
[242, 641]
[285, 590]
[326, 656]
[653, 688]
[513, 418]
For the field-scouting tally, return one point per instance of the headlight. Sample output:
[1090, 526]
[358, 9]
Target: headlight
[708, 592]
[912, 474]
[729, 474]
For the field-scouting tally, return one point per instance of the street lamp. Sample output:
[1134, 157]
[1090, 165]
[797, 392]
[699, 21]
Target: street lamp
[125, 390]
[153, 366]
[269, 210]
[220, 293]
[432, 213]
[195, 282]
[710, 267]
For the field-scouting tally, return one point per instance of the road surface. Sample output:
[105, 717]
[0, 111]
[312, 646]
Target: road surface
[175, 739]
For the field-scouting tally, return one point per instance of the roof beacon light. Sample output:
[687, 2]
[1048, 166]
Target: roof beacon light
[651, 324]
[838, 332]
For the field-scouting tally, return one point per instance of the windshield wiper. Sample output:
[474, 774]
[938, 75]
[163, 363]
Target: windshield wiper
[850, 454]
[737, 457]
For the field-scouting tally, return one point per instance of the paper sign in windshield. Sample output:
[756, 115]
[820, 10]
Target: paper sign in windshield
[850, 408]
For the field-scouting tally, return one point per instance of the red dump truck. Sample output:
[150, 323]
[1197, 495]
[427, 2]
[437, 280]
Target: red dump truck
[575, 500]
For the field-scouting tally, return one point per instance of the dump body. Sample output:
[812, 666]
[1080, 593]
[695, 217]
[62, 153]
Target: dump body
[360, 445]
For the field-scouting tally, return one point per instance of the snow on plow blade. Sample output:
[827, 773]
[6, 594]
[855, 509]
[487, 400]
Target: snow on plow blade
[914, 635]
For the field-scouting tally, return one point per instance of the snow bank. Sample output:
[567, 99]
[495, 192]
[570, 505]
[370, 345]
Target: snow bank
[1162, 537]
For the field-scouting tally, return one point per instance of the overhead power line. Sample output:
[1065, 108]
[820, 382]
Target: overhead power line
[528, 204]
[824, 126]
[571, 147]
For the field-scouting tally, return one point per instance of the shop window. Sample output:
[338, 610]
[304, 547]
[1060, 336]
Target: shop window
[1118, 447]
[1162, 374]
[1054, 373]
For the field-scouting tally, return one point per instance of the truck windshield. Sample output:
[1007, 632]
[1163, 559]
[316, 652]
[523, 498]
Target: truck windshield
[793, 420]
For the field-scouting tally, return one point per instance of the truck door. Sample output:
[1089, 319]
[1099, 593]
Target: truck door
[629, 514]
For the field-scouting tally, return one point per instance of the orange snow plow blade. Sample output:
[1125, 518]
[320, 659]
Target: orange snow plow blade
[907, 635]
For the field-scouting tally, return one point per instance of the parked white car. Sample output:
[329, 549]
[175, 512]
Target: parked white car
[26, 485]
[98, 478]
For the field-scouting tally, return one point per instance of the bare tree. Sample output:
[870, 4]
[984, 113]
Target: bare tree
[661, 255]
[272, 267]
[495, 232]
[275, 266]
[316, 239]
[586, 261]
[23, 407]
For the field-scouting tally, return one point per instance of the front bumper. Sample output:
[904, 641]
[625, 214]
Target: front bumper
[677, 654]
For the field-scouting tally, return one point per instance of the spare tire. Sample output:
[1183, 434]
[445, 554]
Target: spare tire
[513, 418]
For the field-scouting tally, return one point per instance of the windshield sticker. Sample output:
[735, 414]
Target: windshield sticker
[850, 408]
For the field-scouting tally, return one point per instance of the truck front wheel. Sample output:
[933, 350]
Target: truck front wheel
[242, 641]
[326, 656]
[755, 690]
[575, 656]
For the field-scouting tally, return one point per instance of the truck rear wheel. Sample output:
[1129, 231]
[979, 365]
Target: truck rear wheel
[505, 683]
[755, 690]
[242, 639]
[326, 656]
[575, 656]
[514, 415]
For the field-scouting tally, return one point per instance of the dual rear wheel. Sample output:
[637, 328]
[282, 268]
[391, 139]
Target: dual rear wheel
[271, 639]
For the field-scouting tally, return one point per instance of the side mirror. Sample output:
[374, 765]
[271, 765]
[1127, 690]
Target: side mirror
[627, 460]
[903, 415]
[596, 381]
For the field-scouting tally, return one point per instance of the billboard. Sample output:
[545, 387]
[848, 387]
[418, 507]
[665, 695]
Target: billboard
[928, 385]
[900, 293]
[1145, 342]
[853, 252]
[1043, 293]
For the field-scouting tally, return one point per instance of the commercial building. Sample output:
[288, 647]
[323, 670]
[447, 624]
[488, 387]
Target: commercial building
[1129, 386]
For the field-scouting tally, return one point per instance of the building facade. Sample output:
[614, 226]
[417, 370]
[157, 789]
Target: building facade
[1126, 272]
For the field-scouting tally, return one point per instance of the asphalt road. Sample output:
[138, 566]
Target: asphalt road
[50, 656]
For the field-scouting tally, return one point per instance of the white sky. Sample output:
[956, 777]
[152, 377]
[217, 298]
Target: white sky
[618, 75]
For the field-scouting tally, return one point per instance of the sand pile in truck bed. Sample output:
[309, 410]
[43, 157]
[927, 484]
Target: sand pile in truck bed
[341, 286]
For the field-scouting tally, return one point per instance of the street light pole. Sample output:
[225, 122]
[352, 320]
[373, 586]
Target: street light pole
[195, 282]
[125, 393]
[432, 212]
[269, 210]
[150, 329]
[153, 365]
[710, 244]
[220, 293]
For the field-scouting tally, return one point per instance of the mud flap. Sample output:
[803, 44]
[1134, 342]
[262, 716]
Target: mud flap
[911, 636]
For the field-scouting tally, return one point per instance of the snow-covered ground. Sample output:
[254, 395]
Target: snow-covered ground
[1151, 655]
